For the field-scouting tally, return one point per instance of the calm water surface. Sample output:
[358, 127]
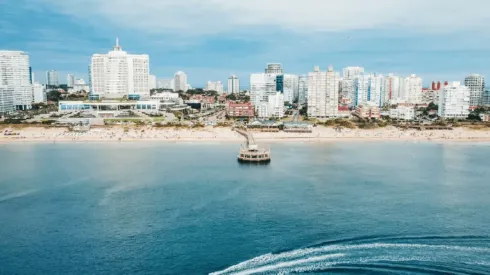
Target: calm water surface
[346, 208]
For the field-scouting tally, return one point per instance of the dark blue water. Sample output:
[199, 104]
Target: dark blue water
[347, 208]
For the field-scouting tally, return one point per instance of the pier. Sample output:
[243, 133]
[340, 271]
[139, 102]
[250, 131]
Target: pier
[251, 153]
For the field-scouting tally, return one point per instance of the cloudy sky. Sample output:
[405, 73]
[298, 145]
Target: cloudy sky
[212, 39]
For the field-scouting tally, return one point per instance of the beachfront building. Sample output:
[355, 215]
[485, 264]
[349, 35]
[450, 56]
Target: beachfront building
[180, 82]
[476, 84]
[302, 89]
[240, 110]
[273, 108]
[393, 88]
[369, 89]
[214, 86]
[118, 74]
[430, 96]
[233, 85]
[6, 99]
[368, 110]
[39, 93]
[412, 90]
[347, 84]
[262, 85]
[323, 93]
[15, 81]
[403, 112]
[454, 101]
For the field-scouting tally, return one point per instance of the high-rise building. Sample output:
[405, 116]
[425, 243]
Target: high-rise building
[393, 88]
[476, 84]
[118, 74]
[323, 93]
[15, 81]
[152, 82]
[302, 89]
[454, 101]
[180, 80]
[39, 93]
[412, 90]
[233, 84]
[70, 80]
[274, 68]
[262, 85]
[290, 87]
[214, 86]
[52, 78]
[347, 84]
[369, 88]
[274, 107]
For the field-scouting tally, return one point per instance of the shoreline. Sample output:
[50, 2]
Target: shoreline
[226, 135]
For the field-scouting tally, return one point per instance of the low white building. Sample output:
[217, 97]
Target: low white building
[454, 101]
[165, 96]
[79, 85]
[274, 107]
[39, 93]
[403, 112]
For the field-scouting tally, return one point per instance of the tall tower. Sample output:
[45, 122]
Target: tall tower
[476, 84]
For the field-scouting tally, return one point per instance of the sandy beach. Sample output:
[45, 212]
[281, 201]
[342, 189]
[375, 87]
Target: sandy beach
[210, 134]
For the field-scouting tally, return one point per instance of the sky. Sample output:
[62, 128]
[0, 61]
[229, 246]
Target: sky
[213, 39]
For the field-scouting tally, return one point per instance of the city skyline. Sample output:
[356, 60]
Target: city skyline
[429, 44]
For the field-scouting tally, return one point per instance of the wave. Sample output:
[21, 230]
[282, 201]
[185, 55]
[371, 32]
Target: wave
[433, 255]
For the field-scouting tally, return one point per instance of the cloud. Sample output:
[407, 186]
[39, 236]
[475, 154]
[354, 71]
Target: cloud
[194, 17]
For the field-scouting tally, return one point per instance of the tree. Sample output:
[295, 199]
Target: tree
[54, 95]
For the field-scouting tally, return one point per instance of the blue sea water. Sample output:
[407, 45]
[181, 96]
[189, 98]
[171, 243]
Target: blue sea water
[163, 208]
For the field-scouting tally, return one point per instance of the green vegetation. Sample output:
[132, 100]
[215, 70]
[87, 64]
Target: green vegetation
[339, 122]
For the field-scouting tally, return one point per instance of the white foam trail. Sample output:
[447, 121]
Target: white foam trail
[312, 253]
[279, 265]
[17, 195]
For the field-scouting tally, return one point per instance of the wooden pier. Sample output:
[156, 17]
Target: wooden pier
[251, 153]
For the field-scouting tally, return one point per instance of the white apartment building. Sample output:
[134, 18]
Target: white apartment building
[369, 88]
[262, 85]
[403, 112]
[39, 93]
[233, 84]
[454, 101]
[430, 96]
[152, 82]
[15, 80]
[180, 81]
[290, 87]
[52, 78]
[323, 93]
[6, 99]
[302, 89]
[412, 90]
[70, 80]
[274, 107]
[347, 84]
[476, 84]
[118, 74]
[214, 86]
[393, 88]
[79, 85]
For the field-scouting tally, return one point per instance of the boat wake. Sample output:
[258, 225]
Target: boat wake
[423, 255]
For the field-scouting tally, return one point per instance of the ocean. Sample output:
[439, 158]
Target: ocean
[191, 208]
